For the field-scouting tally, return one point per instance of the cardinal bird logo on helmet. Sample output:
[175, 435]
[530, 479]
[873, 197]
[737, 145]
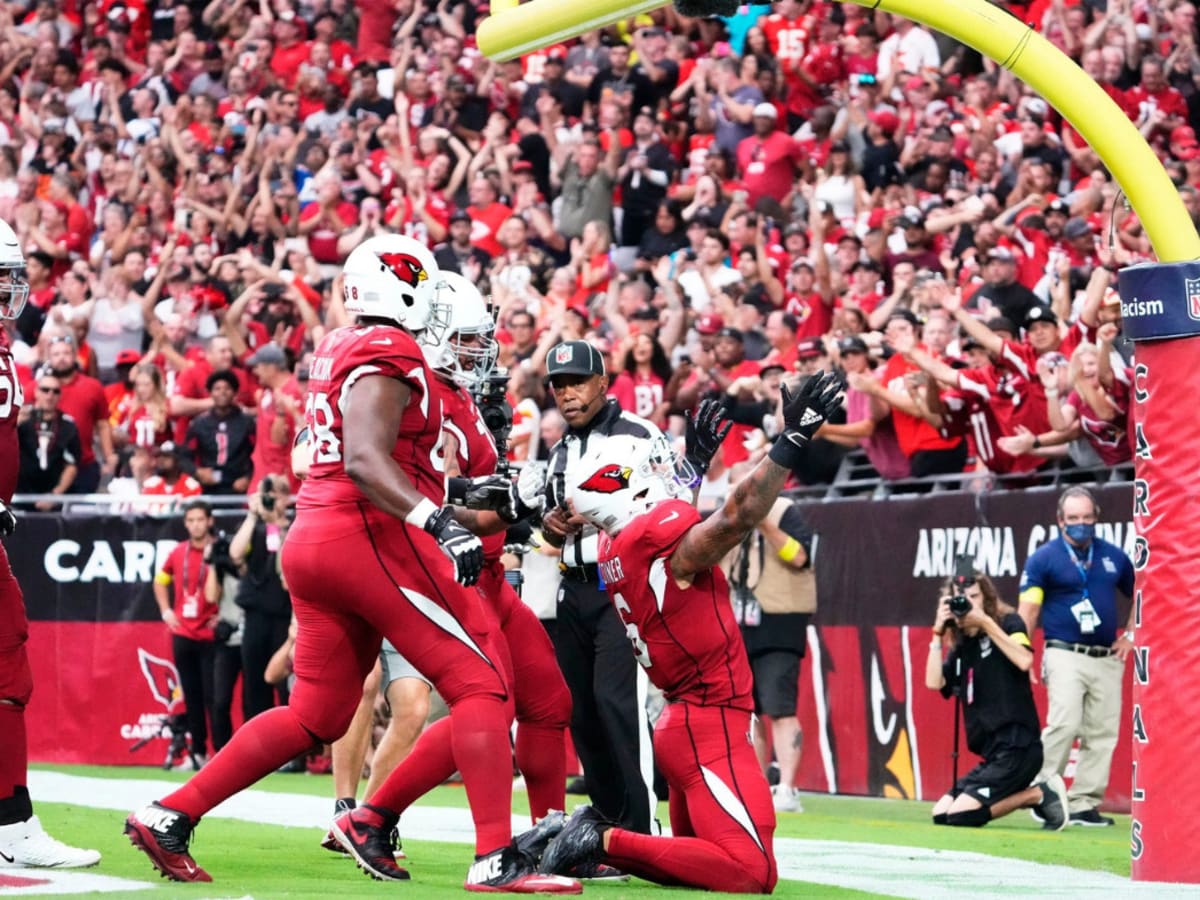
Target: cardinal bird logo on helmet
[407, 268]
[608, 479]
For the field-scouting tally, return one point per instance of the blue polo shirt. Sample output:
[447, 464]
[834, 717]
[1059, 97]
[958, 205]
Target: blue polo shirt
[1054, 576]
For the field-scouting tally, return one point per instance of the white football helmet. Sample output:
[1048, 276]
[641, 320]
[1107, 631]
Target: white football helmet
[14, 289]
[394, 277]
[623, 477]
[470, 317]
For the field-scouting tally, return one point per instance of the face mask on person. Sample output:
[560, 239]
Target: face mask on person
[1080, 533]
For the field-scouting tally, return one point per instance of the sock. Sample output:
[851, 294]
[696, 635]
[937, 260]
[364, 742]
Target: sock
[679, 860]
[14, 797]
[429, 764]
[256, 749]
[542, 759]
[481, 749]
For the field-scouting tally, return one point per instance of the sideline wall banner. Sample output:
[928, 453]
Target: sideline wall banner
[102, 661]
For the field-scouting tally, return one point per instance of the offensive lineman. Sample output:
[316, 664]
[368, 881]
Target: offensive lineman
[362, 561]
[660, 563]
[543, 704]
[23, 841]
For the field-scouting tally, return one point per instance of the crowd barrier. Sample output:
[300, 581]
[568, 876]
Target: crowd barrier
[104, 679]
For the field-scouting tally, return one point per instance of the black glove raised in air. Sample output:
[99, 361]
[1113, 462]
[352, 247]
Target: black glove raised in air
[706, 429]
[804, 412]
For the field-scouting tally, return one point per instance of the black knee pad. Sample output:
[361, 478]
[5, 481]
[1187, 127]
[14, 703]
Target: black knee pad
[971, 818]
[940, 819]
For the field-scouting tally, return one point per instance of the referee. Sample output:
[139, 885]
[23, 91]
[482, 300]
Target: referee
[608, 688]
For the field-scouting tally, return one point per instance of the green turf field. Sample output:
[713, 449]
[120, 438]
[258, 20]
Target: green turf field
[248, 859]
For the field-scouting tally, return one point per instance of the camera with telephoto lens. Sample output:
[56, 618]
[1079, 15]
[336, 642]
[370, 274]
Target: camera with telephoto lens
[492, 401]
[266, 494]
[964, 577]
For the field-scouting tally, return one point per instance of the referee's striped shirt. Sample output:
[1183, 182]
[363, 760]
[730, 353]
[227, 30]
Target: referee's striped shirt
[580, 549]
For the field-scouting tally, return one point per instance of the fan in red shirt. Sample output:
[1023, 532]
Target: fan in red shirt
[84, 401]
[169, 479]
[659, 562]
[769, 159]
[928, 451]
[144, 422]
[1155, 97]
[280, 407]
[970, 407]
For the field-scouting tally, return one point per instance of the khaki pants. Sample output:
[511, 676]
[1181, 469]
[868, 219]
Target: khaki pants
[1085, 703]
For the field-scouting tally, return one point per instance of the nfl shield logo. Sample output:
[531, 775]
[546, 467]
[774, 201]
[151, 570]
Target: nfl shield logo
[1192, 287]
[563, 354]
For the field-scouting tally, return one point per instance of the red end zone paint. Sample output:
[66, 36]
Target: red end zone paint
[20, 881]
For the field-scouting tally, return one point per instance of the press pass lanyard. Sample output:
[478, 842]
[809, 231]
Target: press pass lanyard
[1083, 565]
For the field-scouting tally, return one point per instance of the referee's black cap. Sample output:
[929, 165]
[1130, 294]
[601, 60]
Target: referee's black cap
[574, 358]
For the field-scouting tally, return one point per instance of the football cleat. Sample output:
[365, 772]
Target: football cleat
[534, 841]
[511, 871]
[27, 845]
[580, 843]
[594, 871]
[163, 834]
[366, 834]
[330, 841]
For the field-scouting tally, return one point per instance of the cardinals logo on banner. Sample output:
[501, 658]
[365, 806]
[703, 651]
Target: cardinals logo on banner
[407, 268]
[163, 679]
[890, 764]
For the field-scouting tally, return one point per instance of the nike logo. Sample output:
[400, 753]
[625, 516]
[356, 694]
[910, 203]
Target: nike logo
[673, 515]
[6, 857]
[387, 342]
[191, 870]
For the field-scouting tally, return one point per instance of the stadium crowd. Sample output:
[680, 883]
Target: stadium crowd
[710, 202]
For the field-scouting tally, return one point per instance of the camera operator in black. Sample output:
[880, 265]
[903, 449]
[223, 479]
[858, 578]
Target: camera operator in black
[261, 593]
[988, 671]
[221, 588]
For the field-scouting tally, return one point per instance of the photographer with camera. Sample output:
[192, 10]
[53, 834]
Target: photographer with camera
[262, 594]
[191, 617]
[997, 705]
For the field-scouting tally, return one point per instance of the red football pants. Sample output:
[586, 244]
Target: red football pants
[721, 811]
[16, 681]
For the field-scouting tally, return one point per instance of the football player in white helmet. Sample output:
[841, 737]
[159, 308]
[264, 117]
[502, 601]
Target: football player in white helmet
[626, 476]
[14, 289]
[658, 561]
[23, 841]
[395, 278]
[467, 354]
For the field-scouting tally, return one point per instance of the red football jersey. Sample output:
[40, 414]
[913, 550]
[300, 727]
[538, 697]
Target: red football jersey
[476, 448]
[686, 638]
[975, 410]
[1029, 397]
[343, 357]
[11, 399]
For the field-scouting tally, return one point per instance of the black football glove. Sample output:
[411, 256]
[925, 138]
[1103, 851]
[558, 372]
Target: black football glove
[8, 522]
[487, 492]
[705, 431]
[463, 548]
[803, 414]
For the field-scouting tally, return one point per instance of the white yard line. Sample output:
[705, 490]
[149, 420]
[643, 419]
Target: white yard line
[914, 872]
[64, 881]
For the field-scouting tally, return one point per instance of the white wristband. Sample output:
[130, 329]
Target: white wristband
[421, 513]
